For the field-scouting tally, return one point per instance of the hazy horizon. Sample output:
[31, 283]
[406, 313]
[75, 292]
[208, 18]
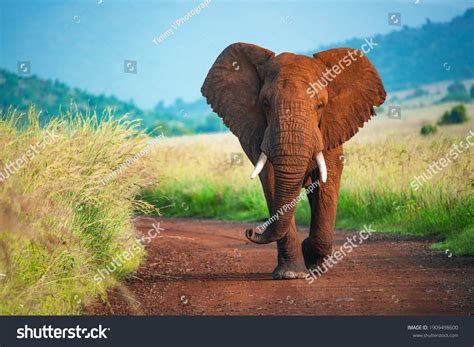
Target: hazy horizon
[85, 43]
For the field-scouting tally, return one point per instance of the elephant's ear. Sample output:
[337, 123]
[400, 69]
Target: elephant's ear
[232, 87]
[352, 94]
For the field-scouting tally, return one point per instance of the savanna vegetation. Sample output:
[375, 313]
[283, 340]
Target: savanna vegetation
[58, 223]
[456, 115]
[427, 129]
[202, 180]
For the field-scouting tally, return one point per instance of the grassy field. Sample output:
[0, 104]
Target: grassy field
[59, 223]
[199, 179]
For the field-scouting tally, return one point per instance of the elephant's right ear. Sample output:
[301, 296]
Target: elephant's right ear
[232, 87]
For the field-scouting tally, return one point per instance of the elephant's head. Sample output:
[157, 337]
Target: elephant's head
[292, 107]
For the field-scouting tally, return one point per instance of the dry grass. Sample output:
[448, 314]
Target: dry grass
[381, 127]
[58, 222]
[198, 179]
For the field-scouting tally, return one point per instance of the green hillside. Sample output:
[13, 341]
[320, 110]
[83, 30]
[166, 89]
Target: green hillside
[409, 57]
[405, 58]
[52, 96]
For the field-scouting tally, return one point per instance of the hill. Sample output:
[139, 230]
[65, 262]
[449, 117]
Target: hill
[410, 57]
[52, 96]
[406, 59]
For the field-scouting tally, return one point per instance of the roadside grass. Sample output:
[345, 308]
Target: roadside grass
[200, 180]
[58, 223]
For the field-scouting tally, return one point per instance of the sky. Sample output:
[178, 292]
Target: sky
[84, 43]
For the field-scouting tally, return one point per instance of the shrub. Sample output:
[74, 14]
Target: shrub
[428, 129]
[457, 115]
[58, 223]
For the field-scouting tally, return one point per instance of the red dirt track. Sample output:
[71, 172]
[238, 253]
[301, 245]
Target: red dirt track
[203, 267]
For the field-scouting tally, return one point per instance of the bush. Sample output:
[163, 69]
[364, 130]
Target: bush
[428, 129]
[457, 115]
[59, 224]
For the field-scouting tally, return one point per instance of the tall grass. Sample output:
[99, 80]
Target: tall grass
[58, 223]
[200, 180]
[376, 188]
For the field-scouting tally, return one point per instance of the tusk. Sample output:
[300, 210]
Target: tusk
[259, 166]
[322, 166]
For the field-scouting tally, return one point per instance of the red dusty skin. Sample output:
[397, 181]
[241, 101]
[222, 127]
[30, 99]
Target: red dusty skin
[290, 148]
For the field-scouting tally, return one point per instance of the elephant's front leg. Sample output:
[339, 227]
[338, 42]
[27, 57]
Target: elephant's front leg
[290, 259]
[323, 203]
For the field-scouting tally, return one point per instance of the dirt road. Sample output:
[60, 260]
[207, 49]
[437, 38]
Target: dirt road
[202, 267]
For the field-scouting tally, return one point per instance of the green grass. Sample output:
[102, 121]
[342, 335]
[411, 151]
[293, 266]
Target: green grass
[201, 182]
[391, 212]
[58, 223]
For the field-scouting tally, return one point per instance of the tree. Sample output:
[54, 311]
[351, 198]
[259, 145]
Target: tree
[456, 92]
[212, 124]
[458, 114]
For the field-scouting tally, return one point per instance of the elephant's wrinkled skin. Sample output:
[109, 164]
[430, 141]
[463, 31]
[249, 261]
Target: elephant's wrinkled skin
[275, 107]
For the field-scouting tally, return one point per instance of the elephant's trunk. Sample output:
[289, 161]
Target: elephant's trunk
[287, 190]
[290, 154]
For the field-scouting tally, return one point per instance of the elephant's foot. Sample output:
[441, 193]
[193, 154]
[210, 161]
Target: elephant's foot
[288, 271]
[313, 255]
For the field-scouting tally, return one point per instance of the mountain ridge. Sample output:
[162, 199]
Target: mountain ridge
[405, 59]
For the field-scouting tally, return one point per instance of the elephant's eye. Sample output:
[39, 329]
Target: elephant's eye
[266, 104]
[318, 105]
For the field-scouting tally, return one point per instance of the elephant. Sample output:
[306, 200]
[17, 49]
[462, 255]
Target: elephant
[292, 114]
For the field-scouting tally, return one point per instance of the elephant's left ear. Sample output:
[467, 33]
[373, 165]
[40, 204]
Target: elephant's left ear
[352, 94]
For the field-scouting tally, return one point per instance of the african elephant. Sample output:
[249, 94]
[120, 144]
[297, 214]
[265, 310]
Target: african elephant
[292, 114]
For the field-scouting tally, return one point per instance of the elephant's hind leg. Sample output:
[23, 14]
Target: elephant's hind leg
[323, 203]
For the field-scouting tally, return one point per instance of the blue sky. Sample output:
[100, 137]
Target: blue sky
[84, 43]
